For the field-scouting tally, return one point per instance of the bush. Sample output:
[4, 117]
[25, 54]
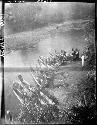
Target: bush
[87, 109]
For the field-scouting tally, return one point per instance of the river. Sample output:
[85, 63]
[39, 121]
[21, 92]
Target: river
[65, 41]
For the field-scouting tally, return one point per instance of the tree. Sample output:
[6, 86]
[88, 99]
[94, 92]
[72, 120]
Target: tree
[22, 16]
[90, 49]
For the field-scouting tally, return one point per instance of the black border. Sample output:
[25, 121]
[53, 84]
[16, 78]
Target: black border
[2, 67]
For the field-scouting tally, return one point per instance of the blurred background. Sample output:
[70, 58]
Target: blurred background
[20, 17]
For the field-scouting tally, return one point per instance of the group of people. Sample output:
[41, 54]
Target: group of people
[63, 57]
[75, 54]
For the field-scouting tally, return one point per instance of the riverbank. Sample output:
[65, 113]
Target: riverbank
[31, 38]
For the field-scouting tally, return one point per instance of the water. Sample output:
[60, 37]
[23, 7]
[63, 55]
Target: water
[65, 41]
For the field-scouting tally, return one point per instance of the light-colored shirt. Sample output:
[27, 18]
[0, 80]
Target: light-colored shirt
[82, 57]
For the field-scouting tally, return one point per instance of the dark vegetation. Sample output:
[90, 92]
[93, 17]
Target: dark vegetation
[82, 112]
[90, 49]
[59, 58]
[26, 17]
[85, 113]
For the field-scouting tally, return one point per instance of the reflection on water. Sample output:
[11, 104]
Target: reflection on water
[25, 57]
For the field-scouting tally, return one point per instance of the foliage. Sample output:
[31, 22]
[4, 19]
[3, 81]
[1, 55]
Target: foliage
[90, 49]
[21, 17]
[87, 110]
[28, 16]
[82, 115]
[57, 59]
[34, 112]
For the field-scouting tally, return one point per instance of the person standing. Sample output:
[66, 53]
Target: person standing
[83, 59]
[73, 54]
[77, 54]
[9, 116]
